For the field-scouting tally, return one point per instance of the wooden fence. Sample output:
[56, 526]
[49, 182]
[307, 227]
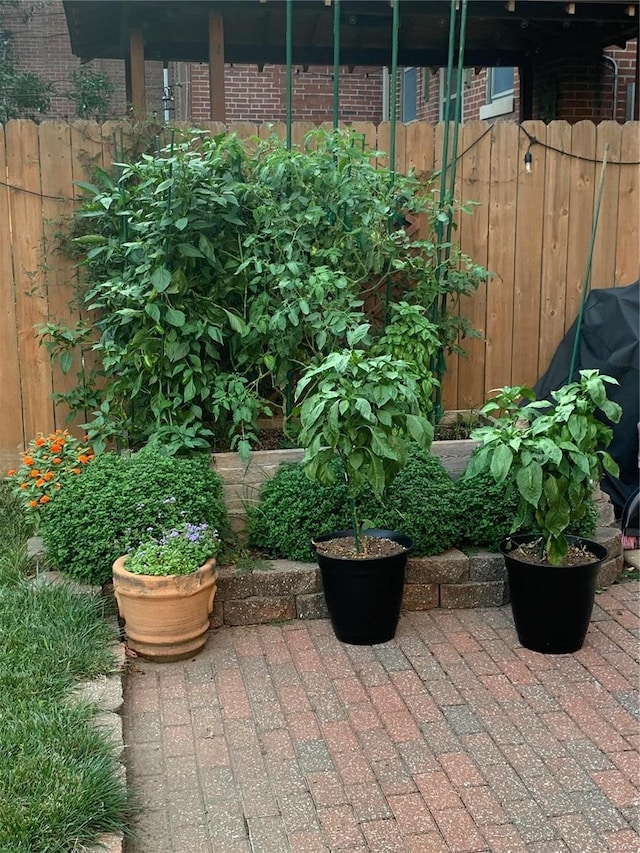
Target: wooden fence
[531, 229]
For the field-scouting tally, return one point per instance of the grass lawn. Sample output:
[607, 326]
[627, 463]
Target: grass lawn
[59, 786]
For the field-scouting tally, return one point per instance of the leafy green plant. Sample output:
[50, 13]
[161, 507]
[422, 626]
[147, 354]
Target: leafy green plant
[363, 410]
[121, 500]
[219, 275]
[412, 337]
[550, 453]
[293, 509]
[91, 92]
[178, 551]
[420, 502]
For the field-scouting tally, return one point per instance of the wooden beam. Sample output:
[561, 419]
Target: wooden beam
[216, 66]
[137, 83]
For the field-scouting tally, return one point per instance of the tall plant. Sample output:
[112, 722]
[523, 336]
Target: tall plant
[218, 275]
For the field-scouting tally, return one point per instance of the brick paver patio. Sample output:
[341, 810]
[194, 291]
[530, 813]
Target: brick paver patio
[280, 739]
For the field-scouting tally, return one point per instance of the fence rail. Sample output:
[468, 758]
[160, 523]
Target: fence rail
[531, 229]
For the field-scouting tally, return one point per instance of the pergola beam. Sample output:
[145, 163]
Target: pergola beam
[136, 90]
[216, 67]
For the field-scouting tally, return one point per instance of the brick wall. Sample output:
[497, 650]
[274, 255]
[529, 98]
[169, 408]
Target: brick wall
[253, 95]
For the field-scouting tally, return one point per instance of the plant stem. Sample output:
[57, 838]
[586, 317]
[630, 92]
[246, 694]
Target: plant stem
[357, 531]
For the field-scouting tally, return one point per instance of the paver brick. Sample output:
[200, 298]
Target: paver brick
[473, 594]
[449, 567]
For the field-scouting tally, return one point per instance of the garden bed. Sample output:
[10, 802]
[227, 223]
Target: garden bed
[281, 590]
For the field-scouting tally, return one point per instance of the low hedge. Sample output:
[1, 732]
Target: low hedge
[120, 499]
[423, 502]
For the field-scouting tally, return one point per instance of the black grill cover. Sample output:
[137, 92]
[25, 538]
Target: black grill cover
[609, 341]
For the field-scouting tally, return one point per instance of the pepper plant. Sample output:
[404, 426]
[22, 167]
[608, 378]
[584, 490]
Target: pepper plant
[552, 453]
[364, 410]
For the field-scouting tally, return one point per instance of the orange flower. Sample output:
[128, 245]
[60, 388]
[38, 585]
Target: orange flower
[23, 485]
[28, 460]
[82, 458]
[40, 482]
[11, 473]
[76, 470]
[56, 460]
[86, 436]
[35, 472]
[45, 499]
[40, 441]
[56, 448]
[49, 475]
[33, 503]
[59, 432]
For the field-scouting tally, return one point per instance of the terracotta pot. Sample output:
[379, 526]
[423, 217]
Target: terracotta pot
[166, 618]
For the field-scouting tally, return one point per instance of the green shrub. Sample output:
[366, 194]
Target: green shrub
[294, 509]
[484, 512]
[119, 501]
[420, 502]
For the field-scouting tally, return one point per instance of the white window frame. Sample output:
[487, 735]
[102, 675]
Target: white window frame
[500, 103]
[410, 68]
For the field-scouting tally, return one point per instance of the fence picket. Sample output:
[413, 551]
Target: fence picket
[11, 432]
[25, 202]
[628, 240]
[554, 241]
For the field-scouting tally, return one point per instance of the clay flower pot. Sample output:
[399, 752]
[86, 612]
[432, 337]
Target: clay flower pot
[166, 618]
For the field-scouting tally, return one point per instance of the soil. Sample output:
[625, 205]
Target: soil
[530, 553]
[372, 546]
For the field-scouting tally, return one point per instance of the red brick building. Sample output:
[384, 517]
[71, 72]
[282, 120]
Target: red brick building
[596, 90]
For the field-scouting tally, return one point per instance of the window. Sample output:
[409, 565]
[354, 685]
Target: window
[454, 92]
[500, 86]
[409, 94]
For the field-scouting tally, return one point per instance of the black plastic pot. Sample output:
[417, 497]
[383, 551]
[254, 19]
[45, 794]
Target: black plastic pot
[364, 596]
[552, 604]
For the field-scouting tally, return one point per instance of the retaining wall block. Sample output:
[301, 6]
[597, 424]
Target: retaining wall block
[611, 538]
[610, 571]
[311, 606]
[234, 584]
[449, 567]
[285, 577]
[474, 594]
[487, 566]
[259, 610]
[420, 596]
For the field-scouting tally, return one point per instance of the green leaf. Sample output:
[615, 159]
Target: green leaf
[175, 317]
[529, 482]
[161, 279]
[501, 462]
[181, 223]
[189, 251]
[66, 361]
[153, 311]
[236, 322]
